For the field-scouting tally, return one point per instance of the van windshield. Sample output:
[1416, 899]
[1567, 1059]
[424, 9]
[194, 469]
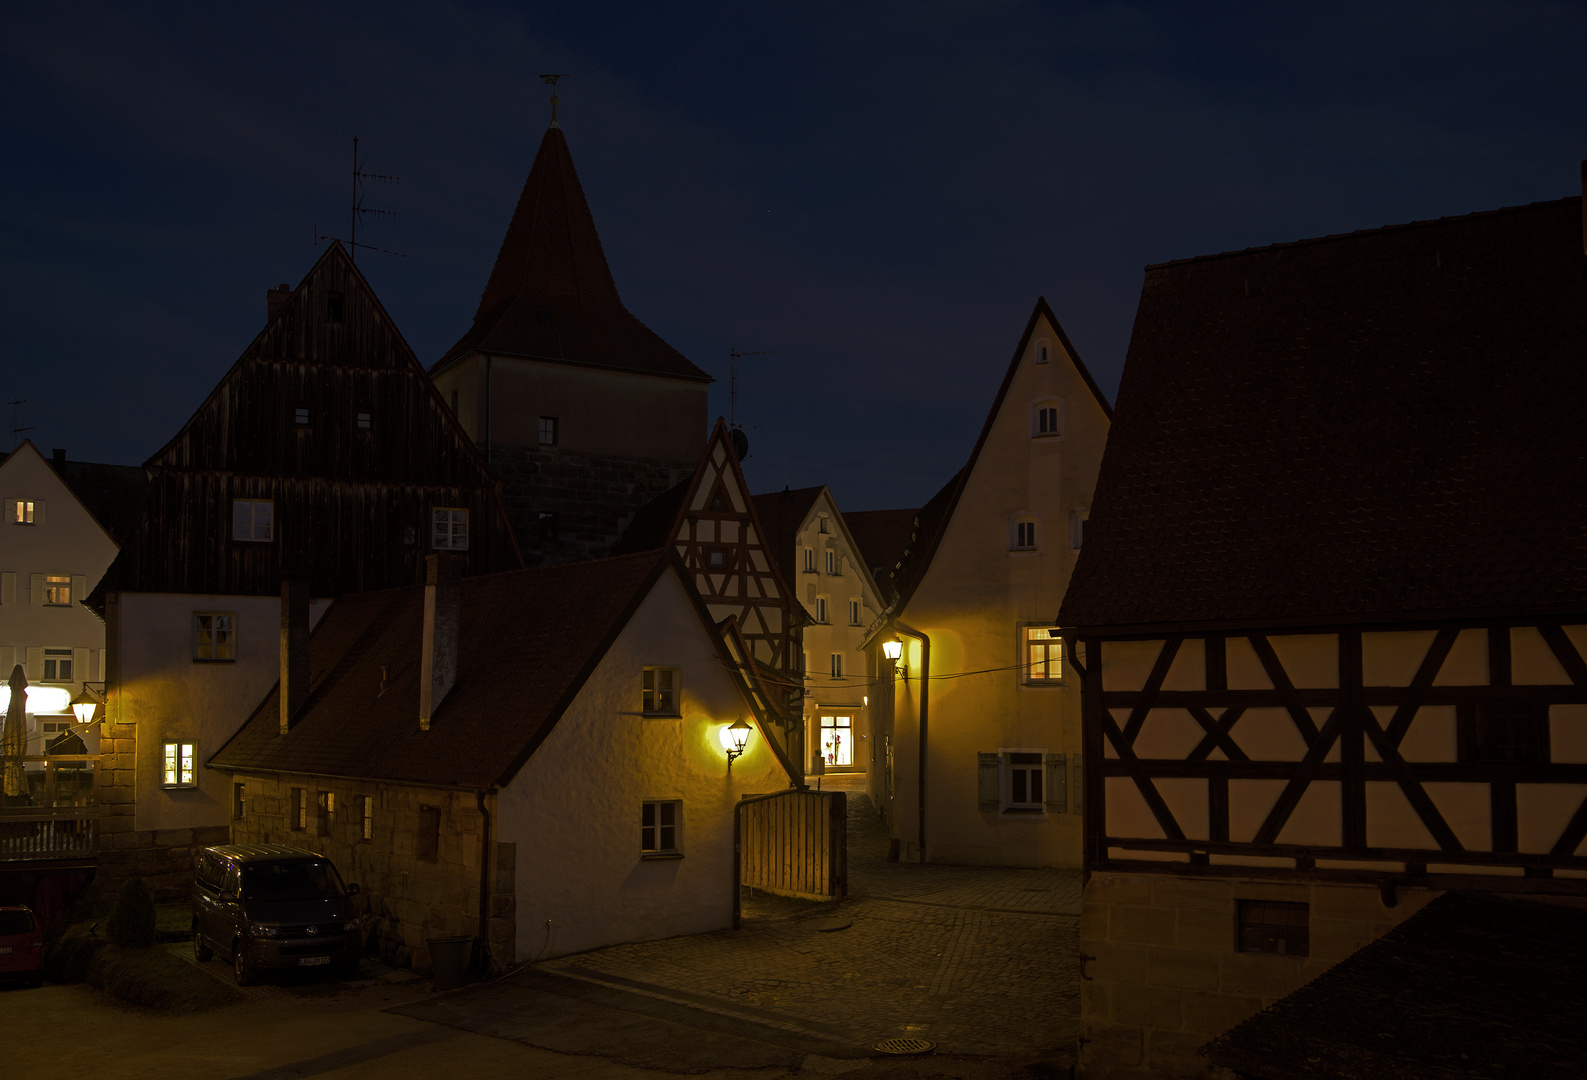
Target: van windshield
[298, 879]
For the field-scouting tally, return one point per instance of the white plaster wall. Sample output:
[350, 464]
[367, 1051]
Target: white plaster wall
[574, 810]
[165, 694]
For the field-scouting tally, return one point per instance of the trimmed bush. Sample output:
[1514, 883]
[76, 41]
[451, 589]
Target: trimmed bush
[66, 960]
[132, 922]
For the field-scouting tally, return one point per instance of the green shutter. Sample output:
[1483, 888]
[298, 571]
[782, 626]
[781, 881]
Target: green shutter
[987, 777]
[1056, 768]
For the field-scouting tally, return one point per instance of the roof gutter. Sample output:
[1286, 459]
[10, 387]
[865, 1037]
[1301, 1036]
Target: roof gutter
[925, 714]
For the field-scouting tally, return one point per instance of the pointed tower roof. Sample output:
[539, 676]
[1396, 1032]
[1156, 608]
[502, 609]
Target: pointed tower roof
[551, 295]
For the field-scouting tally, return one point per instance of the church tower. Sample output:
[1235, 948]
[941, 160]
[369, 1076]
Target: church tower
[582, 410]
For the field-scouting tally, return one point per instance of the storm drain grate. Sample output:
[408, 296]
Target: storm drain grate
[905, 1046]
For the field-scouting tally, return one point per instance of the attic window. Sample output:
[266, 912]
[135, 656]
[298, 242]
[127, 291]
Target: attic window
[22, 512]
[300, 416]
[335, 308]
[1043, 351]
[823, 524]
[365, 421]
[661, 691]
[1023, 536]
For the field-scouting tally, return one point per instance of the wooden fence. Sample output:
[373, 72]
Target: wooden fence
[793, 843]
[59, 815]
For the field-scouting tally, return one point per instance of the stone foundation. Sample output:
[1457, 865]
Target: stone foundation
[593, 497]
[1161, 977]
[407, 899]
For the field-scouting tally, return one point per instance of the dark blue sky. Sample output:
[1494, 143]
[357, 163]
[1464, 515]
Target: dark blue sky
[877, 193]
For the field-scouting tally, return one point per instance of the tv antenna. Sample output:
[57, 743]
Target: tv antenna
[16, 405]
[359, 209]
[551, 81]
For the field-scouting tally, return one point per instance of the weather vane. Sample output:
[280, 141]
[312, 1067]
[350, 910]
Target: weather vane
[551, 81]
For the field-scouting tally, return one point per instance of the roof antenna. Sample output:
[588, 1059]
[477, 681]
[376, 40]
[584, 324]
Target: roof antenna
[359, 209]
[16, 430]
[735, 432]
[551, 80]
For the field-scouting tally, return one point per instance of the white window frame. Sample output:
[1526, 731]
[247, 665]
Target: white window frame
[836, 665]
[658, 699]
[1032, 671]
[57, 590]
[1040, 428]
[178, 759]
[23, 512]
[214, 645]
[53, 658]
[1077, 527]
[654, 828]
[821, 610]
[1028, 807]
[854, 613]
[246, 520]
[449, 528]
[1022, 533]
[829, 722]
[810, 560]
[834, 563]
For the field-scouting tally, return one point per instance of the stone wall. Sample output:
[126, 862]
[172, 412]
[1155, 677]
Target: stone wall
[1161, 975]
[593, 497]
[408, 899]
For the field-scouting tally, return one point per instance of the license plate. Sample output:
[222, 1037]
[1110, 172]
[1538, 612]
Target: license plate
[5, 948]
[310, 961]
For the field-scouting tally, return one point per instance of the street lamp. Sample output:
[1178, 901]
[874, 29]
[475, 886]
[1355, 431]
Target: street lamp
[84, 704]
[893, 650]
[734, 738]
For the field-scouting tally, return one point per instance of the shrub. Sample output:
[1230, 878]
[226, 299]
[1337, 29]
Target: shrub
[132, 922]
[67, 959]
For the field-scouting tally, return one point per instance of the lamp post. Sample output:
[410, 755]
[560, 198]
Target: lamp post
[734, 738]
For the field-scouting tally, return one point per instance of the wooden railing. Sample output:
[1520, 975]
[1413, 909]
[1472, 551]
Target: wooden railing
[793, 843]
[45, 830]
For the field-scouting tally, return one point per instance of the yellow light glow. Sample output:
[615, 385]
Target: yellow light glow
[734, 737]
[40, 699]
[893, 649]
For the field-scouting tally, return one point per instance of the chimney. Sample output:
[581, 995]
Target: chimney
[274, 298]
[443, 609]
[59, 460]
[294, 651]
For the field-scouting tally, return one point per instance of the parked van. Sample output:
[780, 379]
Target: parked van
[273, 906]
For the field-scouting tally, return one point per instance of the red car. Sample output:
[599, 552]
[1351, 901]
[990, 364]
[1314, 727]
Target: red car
[21, 946]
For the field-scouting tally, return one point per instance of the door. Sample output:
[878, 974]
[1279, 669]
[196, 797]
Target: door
[837, 741]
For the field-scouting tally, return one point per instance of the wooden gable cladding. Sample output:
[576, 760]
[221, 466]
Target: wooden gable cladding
[328, 415]
[719, 537]
[1350, 751]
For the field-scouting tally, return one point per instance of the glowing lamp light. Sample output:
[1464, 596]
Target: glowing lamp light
[39, 699]
[734, 738]
[893, 649]
[84, 704]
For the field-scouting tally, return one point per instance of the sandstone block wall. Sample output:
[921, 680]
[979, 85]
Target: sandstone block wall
[407, 899]
[1161, 976]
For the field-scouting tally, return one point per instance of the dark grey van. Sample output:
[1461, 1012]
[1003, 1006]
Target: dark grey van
[273, 906]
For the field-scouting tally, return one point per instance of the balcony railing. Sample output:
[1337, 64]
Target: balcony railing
[57, 817]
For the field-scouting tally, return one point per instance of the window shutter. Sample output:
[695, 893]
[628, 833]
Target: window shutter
[1057, 782]
[79, 588]
[8, 587]
[987, 777]
[8, 661]
[38, 513]
[11, 511]
[36, 588]
[80, 665]
[1074, 804]
[35, 669]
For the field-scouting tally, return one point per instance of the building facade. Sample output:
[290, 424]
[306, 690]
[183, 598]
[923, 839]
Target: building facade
[583, 410]
[1330, 620]
[980, 721]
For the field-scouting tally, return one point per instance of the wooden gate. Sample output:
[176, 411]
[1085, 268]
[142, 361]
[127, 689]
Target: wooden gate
[792, 843]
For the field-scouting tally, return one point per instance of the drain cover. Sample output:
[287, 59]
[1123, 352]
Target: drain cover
[905, 1046]
[828, 924]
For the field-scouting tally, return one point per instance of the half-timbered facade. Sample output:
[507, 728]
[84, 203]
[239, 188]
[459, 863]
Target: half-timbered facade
[324, 456]
[1331, 614]
[584, 411]
[978, 722]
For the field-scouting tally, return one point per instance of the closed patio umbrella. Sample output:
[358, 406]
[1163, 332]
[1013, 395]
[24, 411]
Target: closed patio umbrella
[14, 740]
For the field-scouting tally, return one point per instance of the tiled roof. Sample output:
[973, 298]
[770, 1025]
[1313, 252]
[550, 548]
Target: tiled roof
[551, 295]
[114, 494]
[652, 527]
[528, 640]
[781, 513]
[882, 536]
[1369, 425]
[1470, 986]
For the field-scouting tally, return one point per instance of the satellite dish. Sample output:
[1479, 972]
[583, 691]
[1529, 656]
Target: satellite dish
[740, 443]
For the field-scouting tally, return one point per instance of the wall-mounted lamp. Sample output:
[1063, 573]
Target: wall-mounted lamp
[84, 704]
[893, 650]
[734, 738]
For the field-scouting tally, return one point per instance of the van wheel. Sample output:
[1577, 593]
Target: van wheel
[201, 950]
[246, 976]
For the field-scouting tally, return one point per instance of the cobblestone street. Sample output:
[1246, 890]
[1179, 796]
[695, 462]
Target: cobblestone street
[979, 960]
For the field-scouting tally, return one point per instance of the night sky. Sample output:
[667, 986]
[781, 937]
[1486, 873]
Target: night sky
[876, 193]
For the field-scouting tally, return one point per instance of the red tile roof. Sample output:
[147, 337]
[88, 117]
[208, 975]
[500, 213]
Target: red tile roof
[528, 641]
[551, 295]
[1378, 424]
[883, 537]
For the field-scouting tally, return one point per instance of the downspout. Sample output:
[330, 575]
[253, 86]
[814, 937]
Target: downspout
[925, 702]
[484, 873]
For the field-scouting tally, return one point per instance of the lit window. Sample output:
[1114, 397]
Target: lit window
[1274, 926]
[214, 635]
[22, 513]
[661, 691]
[179, 770]
[449, 528]
[837, 740]
[1024, 784]
[837, 665]
[252, 519]
[366, 817]
[821, 609]
[300, 416]
[548, 431]
[1043, 655]
[325, 818]
[429, 832]
[57, 590]
[810, 560]
[57, 665]
[854, 613]
[365, 421]
[1024, 535]
[658, 827]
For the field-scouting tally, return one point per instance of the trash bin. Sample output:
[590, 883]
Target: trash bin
[449, 960]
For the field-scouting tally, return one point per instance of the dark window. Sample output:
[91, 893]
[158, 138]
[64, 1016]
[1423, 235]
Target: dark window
[57, 665]
[658, 828]
[1024, 782]
[300, 416]
[661, 691]
[298, 810]
[335, 308]
[237, 802]
[548, 431]
[326, 813]
[1504, 729]
[1274, 926]
[1047, 420]
[429, 832]
[365, 421]
[1024, 534]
